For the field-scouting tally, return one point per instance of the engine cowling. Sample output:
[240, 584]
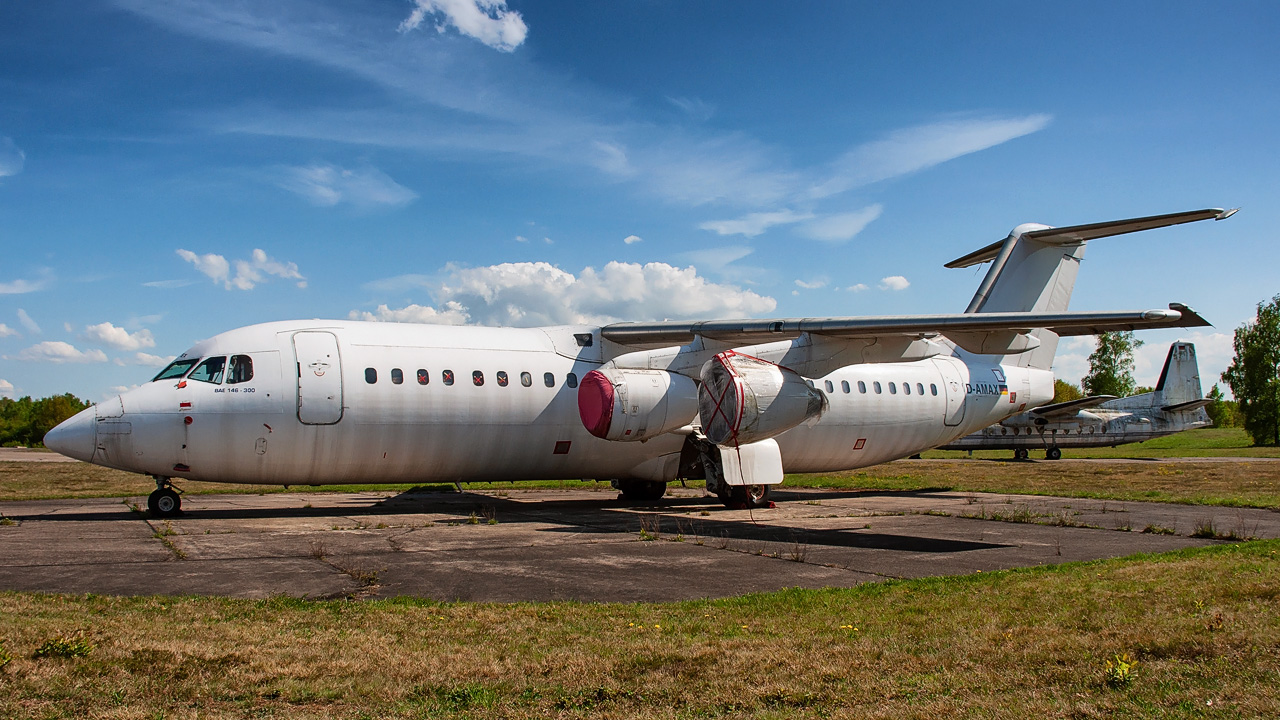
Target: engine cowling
[745, 399]
[629, 405]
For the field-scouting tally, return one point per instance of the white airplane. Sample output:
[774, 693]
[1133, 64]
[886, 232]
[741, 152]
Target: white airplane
[736, 402]
[1103, 420]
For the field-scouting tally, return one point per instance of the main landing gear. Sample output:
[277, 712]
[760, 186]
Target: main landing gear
[1053, 453]
[700, 459]
[1021, 454]
[165, 501]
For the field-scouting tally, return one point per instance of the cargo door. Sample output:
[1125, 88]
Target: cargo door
[319, 377]
[953, 388]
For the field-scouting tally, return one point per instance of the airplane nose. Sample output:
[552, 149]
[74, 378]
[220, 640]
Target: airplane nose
[76, 436]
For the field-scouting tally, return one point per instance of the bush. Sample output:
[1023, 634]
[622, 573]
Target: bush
[64, 647]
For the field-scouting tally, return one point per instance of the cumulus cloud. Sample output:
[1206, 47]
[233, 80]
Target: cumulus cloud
[841, 227]
[489, 21]
[12, 159]
[27, 322]
[145, 360]
[894, 282]
[858, 287]
[754, 224]
[108, 335]
[249, 273]
[6, 388]
[451, 313]
[632, 239]
[538, 293]
[58, 352]
[328, 185]
[6, 331]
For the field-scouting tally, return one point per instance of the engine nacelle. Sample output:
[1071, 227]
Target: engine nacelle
[631, 405]
[745, 399]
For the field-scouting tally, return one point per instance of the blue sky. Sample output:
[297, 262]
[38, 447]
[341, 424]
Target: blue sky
[171, 170]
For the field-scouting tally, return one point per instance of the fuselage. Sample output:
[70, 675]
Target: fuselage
[1093, 428]
[321, 402]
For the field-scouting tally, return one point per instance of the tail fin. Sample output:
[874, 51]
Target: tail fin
[1180, 379]
[1034, 270]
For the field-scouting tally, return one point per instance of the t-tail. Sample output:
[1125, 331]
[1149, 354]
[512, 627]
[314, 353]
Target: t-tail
[1034, 270]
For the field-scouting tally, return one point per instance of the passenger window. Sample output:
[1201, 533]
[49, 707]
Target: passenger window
[477, 377]
[549, 379]
[397, 376]
[919, 388]
[933, 388]
[876, 385]
[862, 387]
[844, 385]
[423, 377]
[893, 389]
[830, 386]
[502, 378]
[241, 369]
[209, 371]
[447, 376]
[176, 369]
[906, 388]
[526, 379]
[571, 380]
[370, 375]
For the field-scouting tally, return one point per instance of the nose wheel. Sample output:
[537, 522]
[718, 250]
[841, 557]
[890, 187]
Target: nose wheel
[165, 501]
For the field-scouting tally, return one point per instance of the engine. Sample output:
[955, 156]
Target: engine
[745, 399]
[632, 405]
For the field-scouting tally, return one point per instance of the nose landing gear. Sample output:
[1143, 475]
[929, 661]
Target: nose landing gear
[165, 501]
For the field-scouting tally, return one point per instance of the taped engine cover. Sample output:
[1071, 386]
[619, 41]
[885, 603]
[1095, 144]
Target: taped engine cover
[744, 399]
[627, 405]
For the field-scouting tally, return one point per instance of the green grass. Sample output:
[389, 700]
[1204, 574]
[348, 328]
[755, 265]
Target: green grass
[1201, 625]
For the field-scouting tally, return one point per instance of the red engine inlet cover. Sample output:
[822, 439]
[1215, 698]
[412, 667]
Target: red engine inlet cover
[595, 403]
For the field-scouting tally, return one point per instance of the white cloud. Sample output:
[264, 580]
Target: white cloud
[842, 227]
[548, 241]
[168, 284]
[249, 273]
[531, 294]
[695, 108]
[632, 239]
[118, 338]
[328, 185]
[521, 239]
[811, 284]
[489, 21]
[912, 149]
[1214, 352]
[894, 282]
[58, 352]
[12, 159]
[22, 285]
[145, 360]
[715, 259]
[858, 287]
[6, 331]
[753, 224]
[27, 322]
[451, 314]
[6, 388]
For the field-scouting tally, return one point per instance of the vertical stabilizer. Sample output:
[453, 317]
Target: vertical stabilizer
[1180, 379]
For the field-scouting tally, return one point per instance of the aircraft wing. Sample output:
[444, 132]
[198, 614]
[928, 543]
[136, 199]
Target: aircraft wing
[1070, 407]
[1189, 405]
[666, 333]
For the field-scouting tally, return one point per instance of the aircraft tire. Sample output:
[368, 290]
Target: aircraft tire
[164, 503]
[749, 496]
[642, 490]
[1020, 454]
[1053, 453]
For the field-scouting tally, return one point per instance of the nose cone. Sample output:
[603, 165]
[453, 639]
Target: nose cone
[76, 436]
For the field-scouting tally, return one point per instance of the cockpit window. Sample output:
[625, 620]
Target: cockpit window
[209, 371]
[241, 369]
[176, 369]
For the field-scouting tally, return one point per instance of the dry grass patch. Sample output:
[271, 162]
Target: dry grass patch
[1201, 625]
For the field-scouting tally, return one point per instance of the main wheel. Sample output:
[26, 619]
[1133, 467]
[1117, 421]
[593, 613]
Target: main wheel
[164, 503]
[1020, 454]
[752, 496]
[1053, 453]
[642, 490]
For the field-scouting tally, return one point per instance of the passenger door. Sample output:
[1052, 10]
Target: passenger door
[953, 388]
[319, 377]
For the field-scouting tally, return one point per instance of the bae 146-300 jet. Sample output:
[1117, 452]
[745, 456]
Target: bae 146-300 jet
[734, 402]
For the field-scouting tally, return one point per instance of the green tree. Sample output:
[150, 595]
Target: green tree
[1222, 412]
[25, 421]
[1111, 365]
[1254, 374]
[1064, 391]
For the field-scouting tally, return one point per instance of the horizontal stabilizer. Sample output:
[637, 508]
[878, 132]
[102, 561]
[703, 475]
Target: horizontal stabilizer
[1093, 231]
[1187, 406]
[1070, 407]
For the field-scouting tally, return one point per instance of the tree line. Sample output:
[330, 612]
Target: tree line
[24, 422]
